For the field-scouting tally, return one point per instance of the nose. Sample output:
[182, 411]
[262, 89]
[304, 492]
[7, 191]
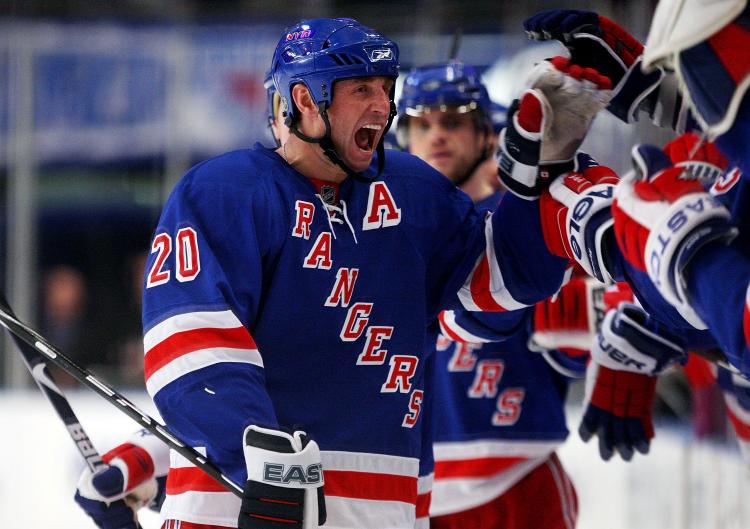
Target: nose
[382, 103]
[437, 135]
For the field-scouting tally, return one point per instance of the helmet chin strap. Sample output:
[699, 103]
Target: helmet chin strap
[326, 143]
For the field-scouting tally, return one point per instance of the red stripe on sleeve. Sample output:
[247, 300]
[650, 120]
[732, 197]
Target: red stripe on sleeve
[480, 287]
[448, 330]
[185, 342]
[732, 45]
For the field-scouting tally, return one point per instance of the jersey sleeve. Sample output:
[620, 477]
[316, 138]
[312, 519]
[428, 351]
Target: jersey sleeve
[204, 279]
[504, 264]
[476, 260]
[482, 327]
[516, 269]
[719, 289]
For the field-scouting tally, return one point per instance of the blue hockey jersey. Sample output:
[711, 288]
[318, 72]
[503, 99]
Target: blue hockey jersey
[498, 407]
[268, 303]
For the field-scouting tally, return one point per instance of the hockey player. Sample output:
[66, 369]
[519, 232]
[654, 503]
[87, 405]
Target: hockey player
[674, 236]
[700, 44]
[489, 390]
[137, 471]
[288, 291]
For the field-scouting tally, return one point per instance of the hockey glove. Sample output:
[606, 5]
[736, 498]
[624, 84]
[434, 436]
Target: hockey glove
[577, 221]
[702, 158]
[547, 125]
[630, 351]
[597, 42]
[569, 320]
[662, 218]
[284, 487]
[112, 495]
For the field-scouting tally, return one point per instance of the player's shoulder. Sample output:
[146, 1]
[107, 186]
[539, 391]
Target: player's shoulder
[243, 168]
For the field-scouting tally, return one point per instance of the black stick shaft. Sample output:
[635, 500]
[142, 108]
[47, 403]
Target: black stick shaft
[25, 333]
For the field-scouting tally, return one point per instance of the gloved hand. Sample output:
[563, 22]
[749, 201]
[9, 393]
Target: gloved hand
[284, 487]
[569, 320]
[597, 42]
[629, 353]
[112, 495]
[662, 217]
[702, 158]
[577, 221]
[547, 125]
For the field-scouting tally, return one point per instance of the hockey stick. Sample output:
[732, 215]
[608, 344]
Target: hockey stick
[35, 340]
[38, 368]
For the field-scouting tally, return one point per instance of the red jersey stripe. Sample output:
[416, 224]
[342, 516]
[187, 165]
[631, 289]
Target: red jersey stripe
[423, 505]
[186, 479]
[370, 486]
[194, 340]
[474, 468]
[480, 288]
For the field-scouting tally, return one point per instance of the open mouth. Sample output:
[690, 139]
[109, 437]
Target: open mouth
[365, 137]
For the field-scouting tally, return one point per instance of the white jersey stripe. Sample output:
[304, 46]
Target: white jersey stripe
[375, 463]
[486, 448]
[461, 494]
[196, 360]
[448, 325]
[188, 322]
[496, 287]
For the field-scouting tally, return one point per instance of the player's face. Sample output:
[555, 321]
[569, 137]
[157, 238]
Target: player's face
[449, 141]
[358, 115]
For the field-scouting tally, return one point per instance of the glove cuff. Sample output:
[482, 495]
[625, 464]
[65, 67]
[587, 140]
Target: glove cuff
[517, 159]
[588, 224]
[632, 90]
[280, 459]
[691, 222]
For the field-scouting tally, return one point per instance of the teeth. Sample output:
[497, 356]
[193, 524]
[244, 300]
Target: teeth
[372, 126]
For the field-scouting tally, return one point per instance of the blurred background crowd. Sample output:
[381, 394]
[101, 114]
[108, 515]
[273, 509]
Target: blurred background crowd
[103, 105]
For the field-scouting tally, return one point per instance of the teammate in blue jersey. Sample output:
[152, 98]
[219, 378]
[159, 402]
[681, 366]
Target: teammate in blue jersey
[499, 406]
[675, 237]
[288, 293]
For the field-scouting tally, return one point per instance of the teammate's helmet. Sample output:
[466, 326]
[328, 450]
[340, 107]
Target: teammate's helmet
[452, 85]
[446, 85]
[319, 52]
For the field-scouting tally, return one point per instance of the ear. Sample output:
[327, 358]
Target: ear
[303, 100]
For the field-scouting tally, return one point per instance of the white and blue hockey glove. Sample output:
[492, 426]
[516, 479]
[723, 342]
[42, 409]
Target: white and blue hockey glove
[662, 218]
[631, 350]
[284, 487]
[131, 480]
[577, 220]
[598, 42]
[547, 124]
